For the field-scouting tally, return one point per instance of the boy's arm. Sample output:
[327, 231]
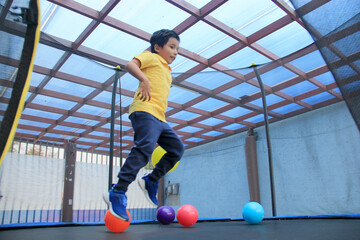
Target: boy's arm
[133, 67]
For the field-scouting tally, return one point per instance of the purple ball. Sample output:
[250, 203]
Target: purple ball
[165, 215]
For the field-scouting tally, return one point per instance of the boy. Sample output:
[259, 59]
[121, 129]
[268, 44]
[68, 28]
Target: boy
[147, 115]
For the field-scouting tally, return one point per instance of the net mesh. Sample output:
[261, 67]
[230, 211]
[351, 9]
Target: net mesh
[328, 24]
[17, 54]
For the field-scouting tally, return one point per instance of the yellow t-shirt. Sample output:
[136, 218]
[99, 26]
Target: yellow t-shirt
[158, 72]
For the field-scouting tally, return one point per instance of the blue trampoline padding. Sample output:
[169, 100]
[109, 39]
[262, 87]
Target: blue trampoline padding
[214, 219]
[23, 225]
[308, 216]
[55, 224]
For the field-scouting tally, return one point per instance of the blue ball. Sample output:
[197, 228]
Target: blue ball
[253, 212]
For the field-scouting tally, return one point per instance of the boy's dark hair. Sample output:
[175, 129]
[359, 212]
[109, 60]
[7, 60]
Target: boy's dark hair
[161, 37]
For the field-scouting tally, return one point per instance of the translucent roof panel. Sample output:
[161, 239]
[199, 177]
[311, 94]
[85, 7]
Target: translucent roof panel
[302, 3]
[250, 17]
[82, 146]
[91, 140]
[309, 62]
[54, 102]
[6, 92]
[36, 79]
[7, 72]
[210, 104]
[16, 42]
[326, 78]
[318, 98]
[47, 9]
[125, 117]
[213, 133]
[270, 100]
[182, 64]
[47, 56]
[212, 121]
[128, 138]
[145, 14]
[69, 129]
[43, 114]
[190, 129]
[28, 132]
[337, 90]
[85, 68]
[210, 42]
[70, 88]
[117, 127]
[236, 112]
[234, 126]
[257, 118]
[214, 91]
[33, 123]
[82, 121]
[288, 108]
[276, 76]
[97, 5]
[194, 139]
[125, 101]
[244, 58]
[125, 128]
[243, 89]
[210, 79]
[299, 88]
[3, 106]
[198, 3]
[92, 109]
[62, 24]
[108, 40]
[180, 95]
[171, 124]
[185, 115]
[106, 97]
[129, 82]
[286, 40]
[100, 134]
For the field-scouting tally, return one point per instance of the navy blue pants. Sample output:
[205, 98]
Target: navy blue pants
[148, 131]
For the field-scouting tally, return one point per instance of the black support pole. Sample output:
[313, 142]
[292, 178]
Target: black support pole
[112, 128]
[273, 199]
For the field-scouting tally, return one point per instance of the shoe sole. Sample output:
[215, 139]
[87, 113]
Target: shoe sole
[107, 200]
[141, 183]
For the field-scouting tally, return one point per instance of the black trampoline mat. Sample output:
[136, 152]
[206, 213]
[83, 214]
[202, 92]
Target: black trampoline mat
[268, 229]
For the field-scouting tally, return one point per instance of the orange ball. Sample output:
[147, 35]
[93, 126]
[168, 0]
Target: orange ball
[115, 224]
[187, 215]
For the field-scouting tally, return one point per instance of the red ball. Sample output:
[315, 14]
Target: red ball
[187, 215]
[115, 224]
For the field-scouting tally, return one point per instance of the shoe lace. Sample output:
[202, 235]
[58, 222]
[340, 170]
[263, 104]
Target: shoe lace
[122, 199]
[124, 202]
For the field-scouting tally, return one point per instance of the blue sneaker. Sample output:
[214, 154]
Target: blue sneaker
[116, 200]
[150, 189]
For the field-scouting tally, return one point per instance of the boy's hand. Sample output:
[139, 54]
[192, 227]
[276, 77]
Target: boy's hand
[133, 68]
[144, 90]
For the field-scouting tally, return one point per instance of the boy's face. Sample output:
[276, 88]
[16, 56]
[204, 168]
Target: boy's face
[169, 51]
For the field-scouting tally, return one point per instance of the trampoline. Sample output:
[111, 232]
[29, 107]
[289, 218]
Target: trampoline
[216, 98]
[317, 228]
